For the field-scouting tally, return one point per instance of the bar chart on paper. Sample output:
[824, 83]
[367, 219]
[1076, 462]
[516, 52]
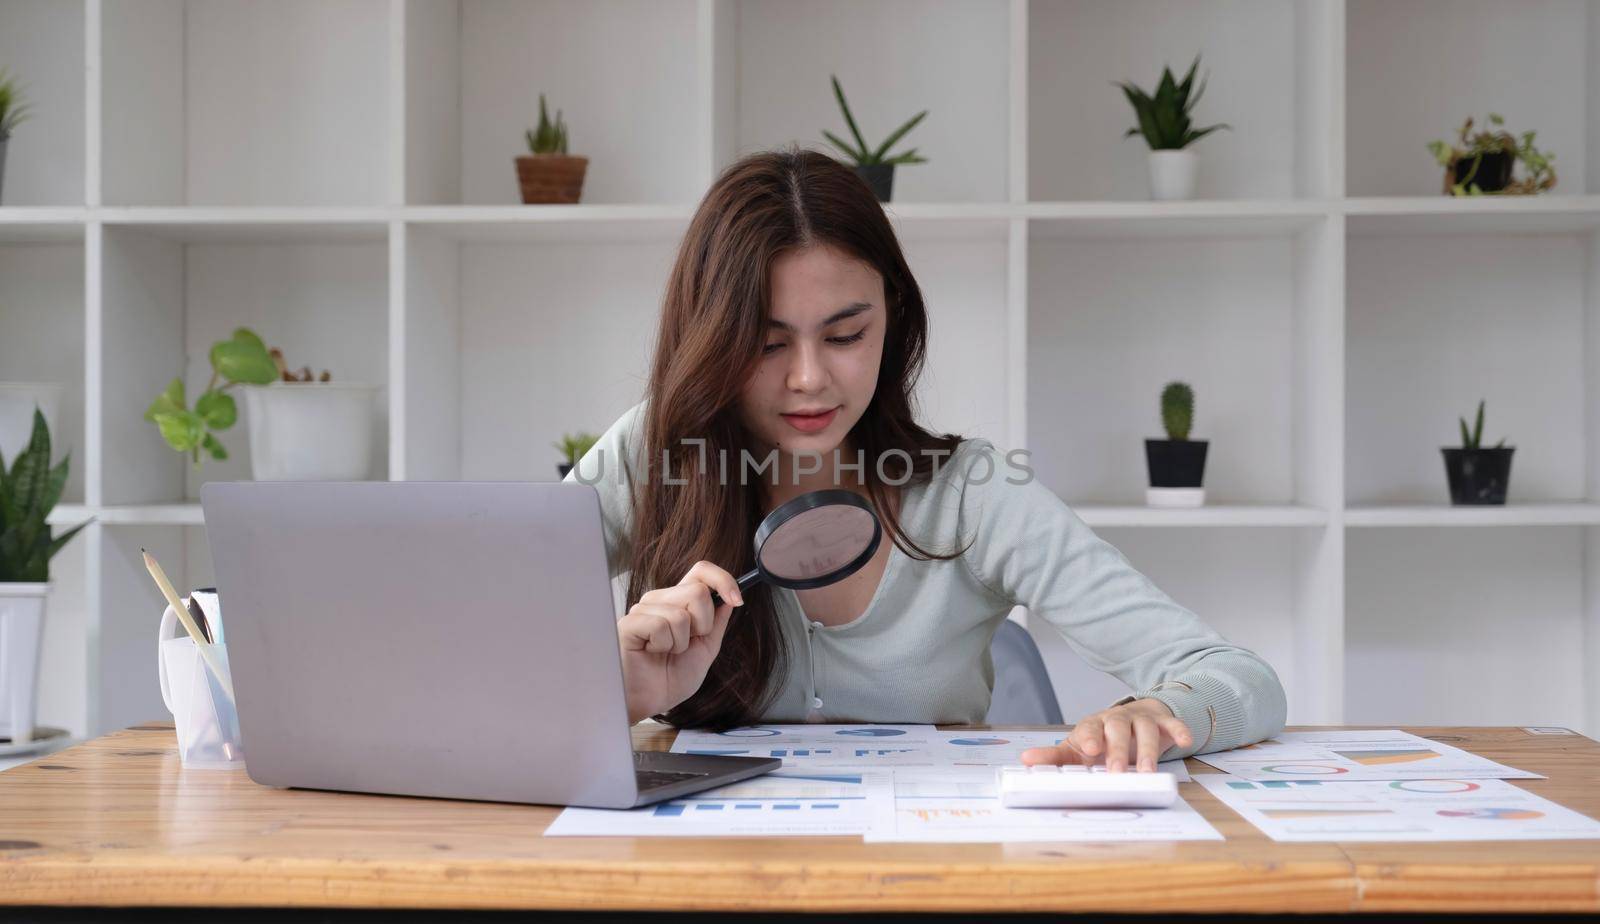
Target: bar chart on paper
[1350, 756]
[959, 805]
[784, 802]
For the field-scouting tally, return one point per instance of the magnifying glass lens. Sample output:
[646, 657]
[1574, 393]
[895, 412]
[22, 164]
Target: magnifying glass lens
[818, 542]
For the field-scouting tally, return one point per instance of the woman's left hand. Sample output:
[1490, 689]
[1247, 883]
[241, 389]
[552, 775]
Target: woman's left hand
[1136, 732]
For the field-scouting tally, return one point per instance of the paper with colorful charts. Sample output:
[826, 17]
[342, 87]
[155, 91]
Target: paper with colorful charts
[1397, 810]
[1353, 756]
[871, 746]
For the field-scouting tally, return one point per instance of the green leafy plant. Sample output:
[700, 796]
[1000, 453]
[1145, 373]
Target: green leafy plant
[13, 111]
[1539, 176]
[1177, 410]
[1473, 439]
[574, 445]
[29, 490]
[551, 137]
[240, 360]
[865, 155]
[1164, 118]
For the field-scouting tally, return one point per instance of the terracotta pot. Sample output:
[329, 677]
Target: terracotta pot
[550, 178]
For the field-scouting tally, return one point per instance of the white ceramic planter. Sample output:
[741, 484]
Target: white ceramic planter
[21, 632]
[1172, 174]
[310, 431]
[1175, 497]
[17, 401]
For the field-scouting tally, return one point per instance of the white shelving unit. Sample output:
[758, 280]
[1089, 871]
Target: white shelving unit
[338, 175]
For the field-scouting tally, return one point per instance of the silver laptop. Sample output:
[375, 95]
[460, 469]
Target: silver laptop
[455, 640]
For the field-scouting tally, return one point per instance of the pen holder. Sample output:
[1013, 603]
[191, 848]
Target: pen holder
[206, 717]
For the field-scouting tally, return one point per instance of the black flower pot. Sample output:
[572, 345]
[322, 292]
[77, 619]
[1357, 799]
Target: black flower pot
[1478, 476]
[1493, 170]
[1176, 463]
[563, 468]
[879, 177]
[3, 139]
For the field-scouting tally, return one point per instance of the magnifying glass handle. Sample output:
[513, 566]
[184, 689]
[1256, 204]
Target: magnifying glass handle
[745, 580]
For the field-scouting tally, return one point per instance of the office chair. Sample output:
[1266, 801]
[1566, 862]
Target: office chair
[1022, 691]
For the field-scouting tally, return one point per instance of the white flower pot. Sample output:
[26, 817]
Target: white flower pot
[1175, 497]
[17, 401]
[21, 632]
[1172, 174]
[310, 431]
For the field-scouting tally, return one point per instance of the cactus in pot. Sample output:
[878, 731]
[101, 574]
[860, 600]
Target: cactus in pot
[1176, 464]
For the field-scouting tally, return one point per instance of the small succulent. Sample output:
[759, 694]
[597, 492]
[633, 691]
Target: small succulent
[575, 445]
[13, 111]
[1164, 117]
[1177, 410]
[28, 492]
[863, 155]
[551, 137]
[1540, 176]
[304, 375]
[1473, 439]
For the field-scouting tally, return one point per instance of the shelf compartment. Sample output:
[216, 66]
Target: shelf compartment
[167, 299]
[955, 63]
[255, 102]
[1416, 66]
[1243, 320]
[42, 340]
[623, 73]
[1271, 74]
[1436, 322]
[42, 46]
[1486, 624]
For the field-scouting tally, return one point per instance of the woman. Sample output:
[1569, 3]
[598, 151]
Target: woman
[790, 340]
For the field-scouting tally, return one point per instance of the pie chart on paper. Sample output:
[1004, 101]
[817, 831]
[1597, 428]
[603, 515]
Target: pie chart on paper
[870, 732]
[978, 742]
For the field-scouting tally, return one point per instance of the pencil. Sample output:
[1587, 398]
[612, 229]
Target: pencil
[189, 626]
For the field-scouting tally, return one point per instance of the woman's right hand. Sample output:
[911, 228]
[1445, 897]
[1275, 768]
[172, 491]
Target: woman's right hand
[671, 636]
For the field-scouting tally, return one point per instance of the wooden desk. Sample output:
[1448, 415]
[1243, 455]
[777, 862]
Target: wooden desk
[115, 821]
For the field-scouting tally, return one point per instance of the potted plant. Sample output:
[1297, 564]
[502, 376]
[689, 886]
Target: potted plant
[29, 490]
[572, 446]
[1163, 120]
[1177, 464]
[1476, 475]
[874, 165]
[12, 112]
[1482, 163]
[547, 173]
[300, 429]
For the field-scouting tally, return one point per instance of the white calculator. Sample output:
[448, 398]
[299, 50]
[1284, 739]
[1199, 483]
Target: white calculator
[1076, 786]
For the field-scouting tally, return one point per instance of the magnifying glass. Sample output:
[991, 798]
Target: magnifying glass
[814, 540]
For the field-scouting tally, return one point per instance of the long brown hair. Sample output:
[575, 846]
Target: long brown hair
[713, 327]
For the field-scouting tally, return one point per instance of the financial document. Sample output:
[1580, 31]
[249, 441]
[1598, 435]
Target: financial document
[949, 806]
[1350, 756]
[883, 782]
[886, 746]
[1397, 810]
[783, 802]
